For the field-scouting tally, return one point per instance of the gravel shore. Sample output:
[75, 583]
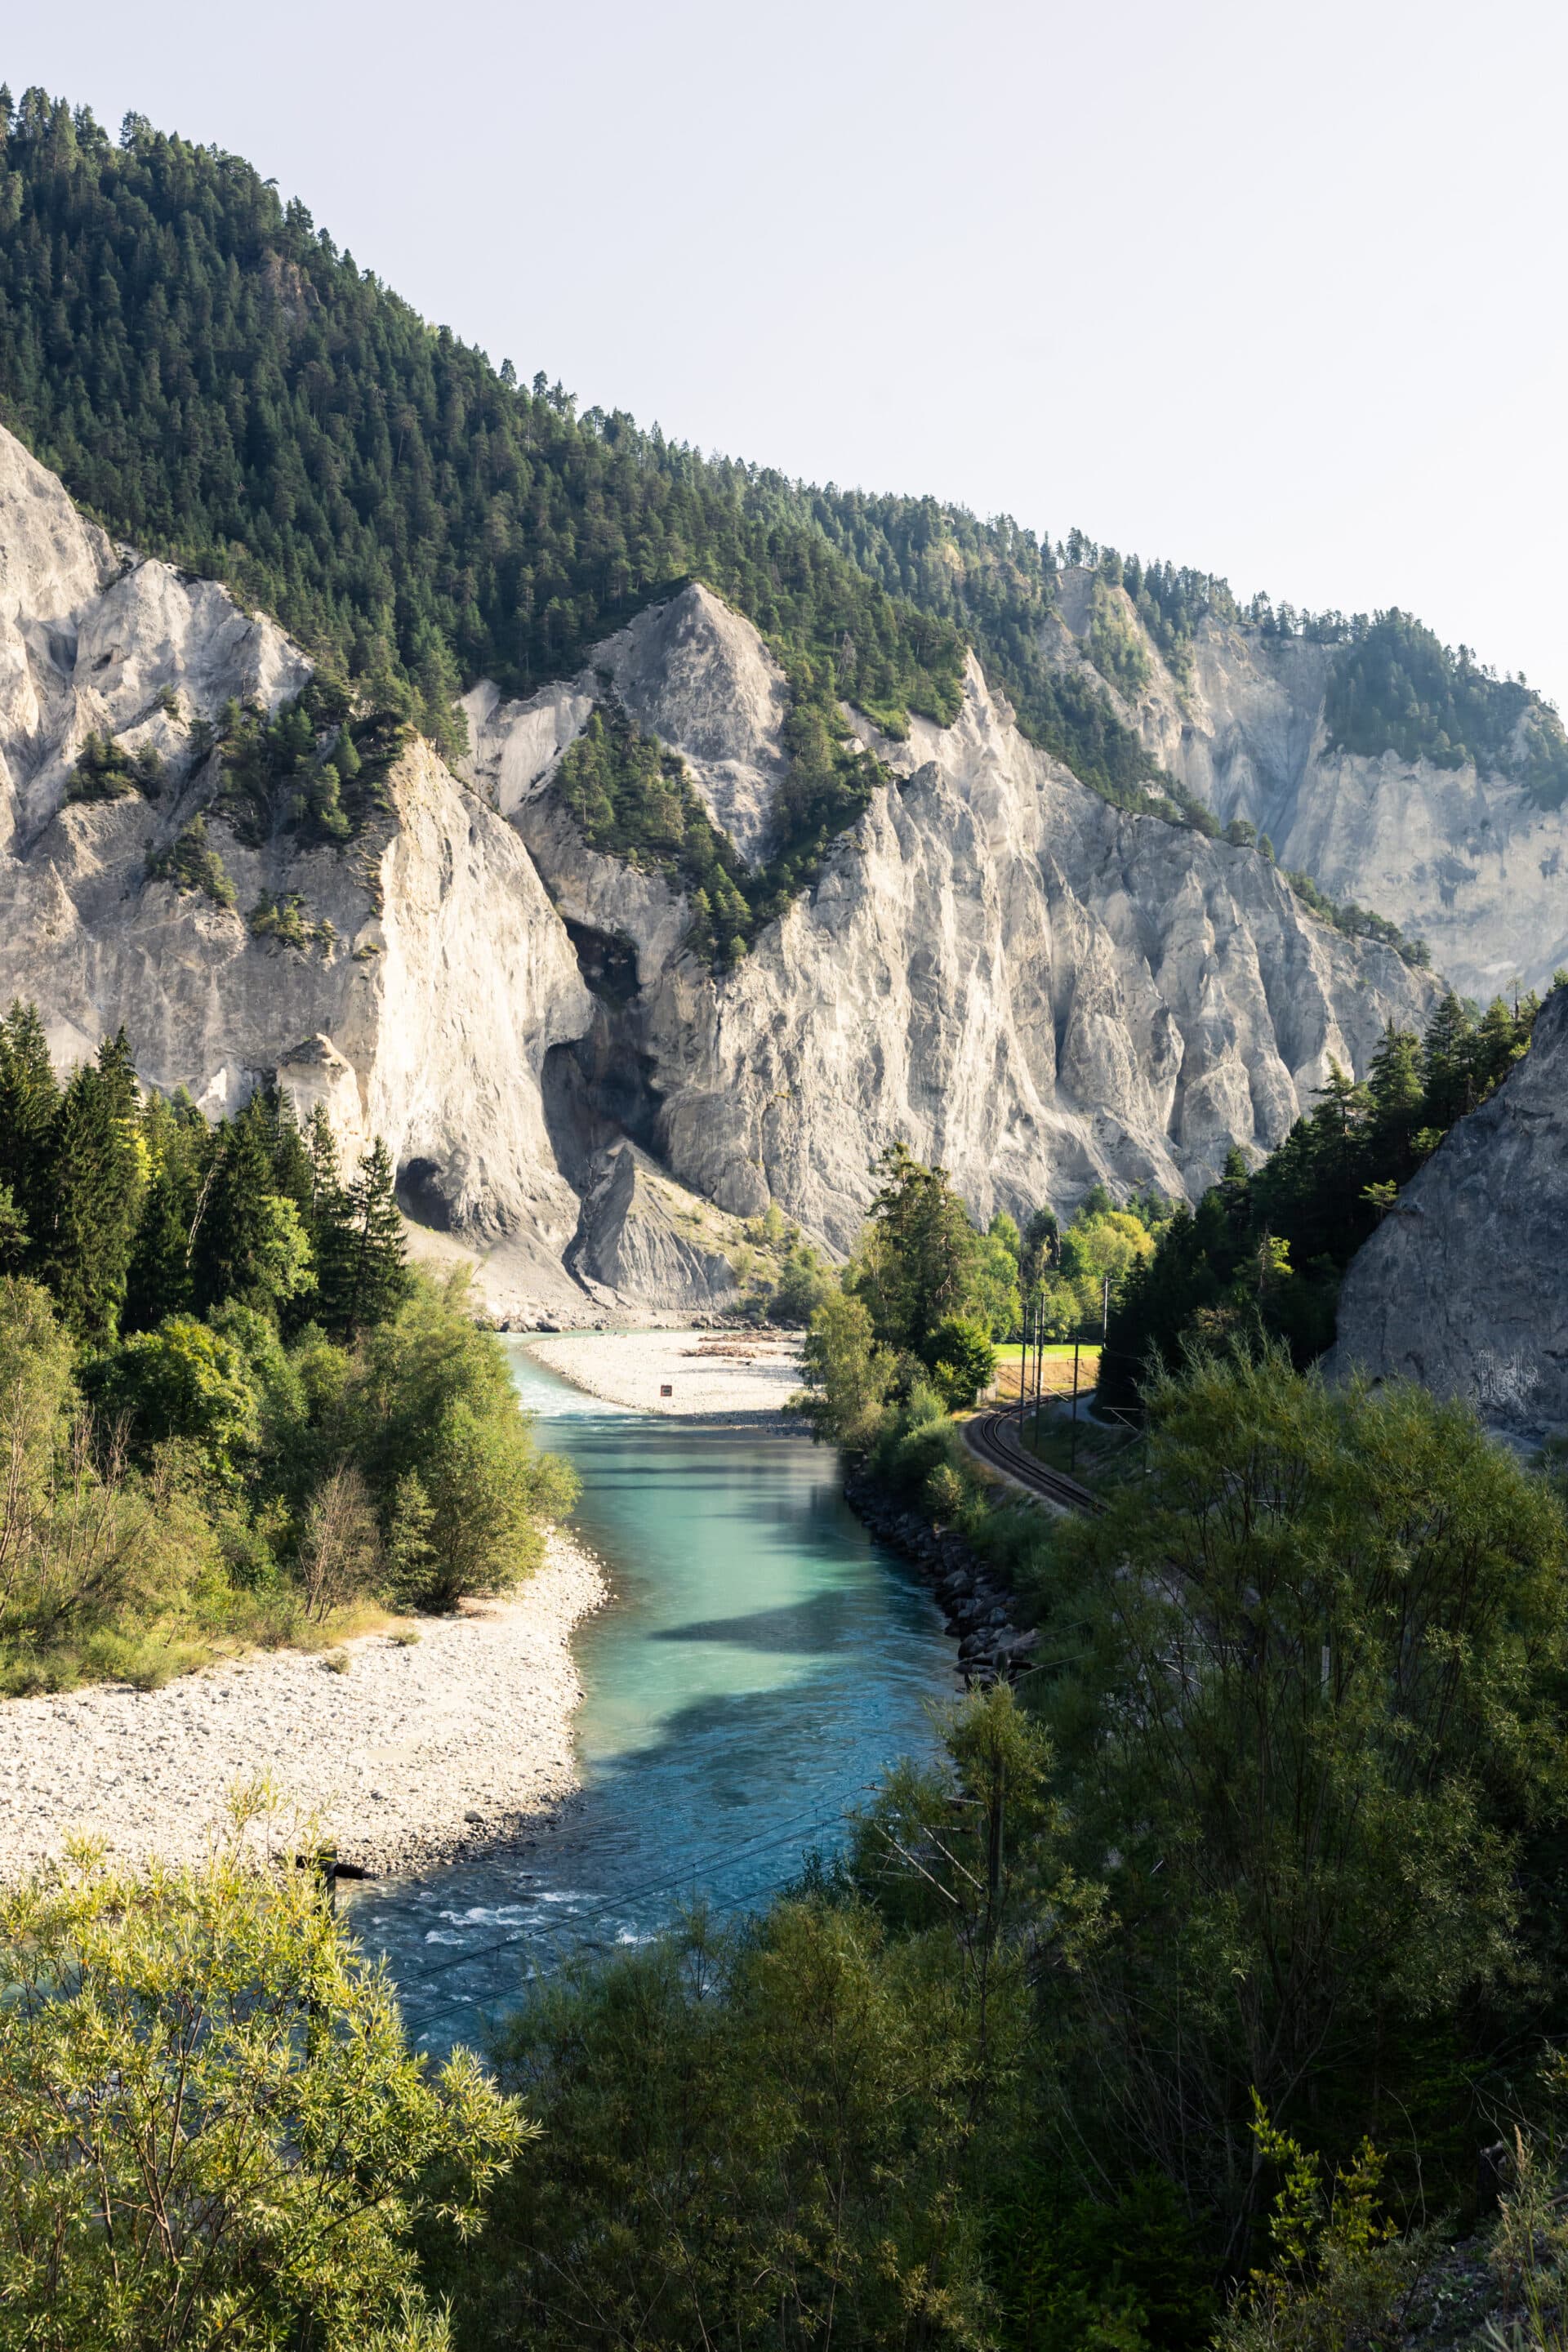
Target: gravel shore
[712, 1377]
[420, 1752]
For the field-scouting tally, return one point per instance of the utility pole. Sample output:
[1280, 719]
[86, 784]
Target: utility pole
[1072, 1456]
[1039, 1359]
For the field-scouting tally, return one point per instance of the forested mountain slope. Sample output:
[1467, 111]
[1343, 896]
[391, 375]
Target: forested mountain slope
[219, 385]
[993, 962]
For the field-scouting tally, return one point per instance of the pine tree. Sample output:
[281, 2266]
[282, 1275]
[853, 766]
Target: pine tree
[158, 1281]
[379, 1282]
[293, 1173]
[29, 1109]
[230, 1252]
[1398, 1101]
[98, 1181]
[1446, 1063]
[1495, 1047]
[330, 1224]
[410, 1554]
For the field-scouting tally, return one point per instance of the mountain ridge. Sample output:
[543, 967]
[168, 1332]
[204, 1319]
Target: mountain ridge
[208, 373]
[992, 962]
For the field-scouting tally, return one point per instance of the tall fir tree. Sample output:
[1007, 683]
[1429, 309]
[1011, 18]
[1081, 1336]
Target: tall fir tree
[379, 1282]
[1447, 1072]
[98, 1176]
[29, 1111]
[330, 1223]
[234, 1228]
[178, 1145]
[293, 1174]
[1398, 1102]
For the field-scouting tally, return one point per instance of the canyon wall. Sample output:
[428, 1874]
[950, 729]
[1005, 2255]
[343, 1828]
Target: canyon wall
[1456, 1288]
[1470, 863]
[1023, 982]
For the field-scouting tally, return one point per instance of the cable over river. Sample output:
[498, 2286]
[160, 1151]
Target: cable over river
[761, 1662]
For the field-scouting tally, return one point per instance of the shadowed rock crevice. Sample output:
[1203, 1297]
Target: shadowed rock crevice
[597, 1088]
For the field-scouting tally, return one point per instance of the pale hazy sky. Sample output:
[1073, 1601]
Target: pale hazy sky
[1273, 291]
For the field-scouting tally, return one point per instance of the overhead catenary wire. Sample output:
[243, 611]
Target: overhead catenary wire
[583, 1928]
[576, 1924]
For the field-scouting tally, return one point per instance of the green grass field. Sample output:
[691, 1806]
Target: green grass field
[1056, 1371]
[1008, 1351]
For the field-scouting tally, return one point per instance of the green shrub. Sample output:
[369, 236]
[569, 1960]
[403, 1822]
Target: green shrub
[191, 862]
[215, 2132]
[105, 771]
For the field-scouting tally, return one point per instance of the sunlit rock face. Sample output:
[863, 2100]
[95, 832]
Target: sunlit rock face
[1025, 984]
[436, 977]
[1470, 863]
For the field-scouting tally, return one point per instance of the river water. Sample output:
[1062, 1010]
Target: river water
[761, 1663]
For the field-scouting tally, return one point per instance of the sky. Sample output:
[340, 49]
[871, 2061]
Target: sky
[1273, 291]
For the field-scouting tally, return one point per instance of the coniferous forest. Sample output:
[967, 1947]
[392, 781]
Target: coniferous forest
[231, 1410]
[221, 385]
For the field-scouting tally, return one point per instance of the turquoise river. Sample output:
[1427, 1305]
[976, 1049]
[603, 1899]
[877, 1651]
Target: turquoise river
[761, 1663]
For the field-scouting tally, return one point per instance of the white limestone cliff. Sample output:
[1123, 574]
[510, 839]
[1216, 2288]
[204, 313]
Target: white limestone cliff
[439, 976]
[1456, 1288]
[994, 965]
[1470, 863]
[1022, 982]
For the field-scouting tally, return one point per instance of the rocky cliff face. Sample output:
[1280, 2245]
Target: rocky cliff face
[1470, 863]
[1023, 983]
[435, 978]
[1464, 1285]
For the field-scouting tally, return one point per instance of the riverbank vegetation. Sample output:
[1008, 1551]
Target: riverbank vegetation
[1119, 2025]
[228, 1411]
[214, 2131]
[1132, 2028]
[1168, 2006]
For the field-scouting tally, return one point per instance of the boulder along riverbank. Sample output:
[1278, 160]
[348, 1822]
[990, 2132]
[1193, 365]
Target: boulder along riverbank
[992, 1646]
[424, 1749]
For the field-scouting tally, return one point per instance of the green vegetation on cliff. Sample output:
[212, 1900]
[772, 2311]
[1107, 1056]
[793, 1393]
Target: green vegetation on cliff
[635, 800]
[1397, 688]
[1264, 1251]
[222, 386]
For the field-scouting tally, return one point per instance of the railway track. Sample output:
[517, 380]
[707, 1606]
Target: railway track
[995, 1438]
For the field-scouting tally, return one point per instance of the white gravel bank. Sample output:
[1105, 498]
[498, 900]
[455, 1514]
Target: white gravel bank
[711, 1377]
[416, 1755]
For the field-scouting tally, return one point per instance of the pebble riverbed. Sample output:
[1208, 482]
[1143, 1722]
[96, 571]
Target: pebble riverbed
[422, 1752]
